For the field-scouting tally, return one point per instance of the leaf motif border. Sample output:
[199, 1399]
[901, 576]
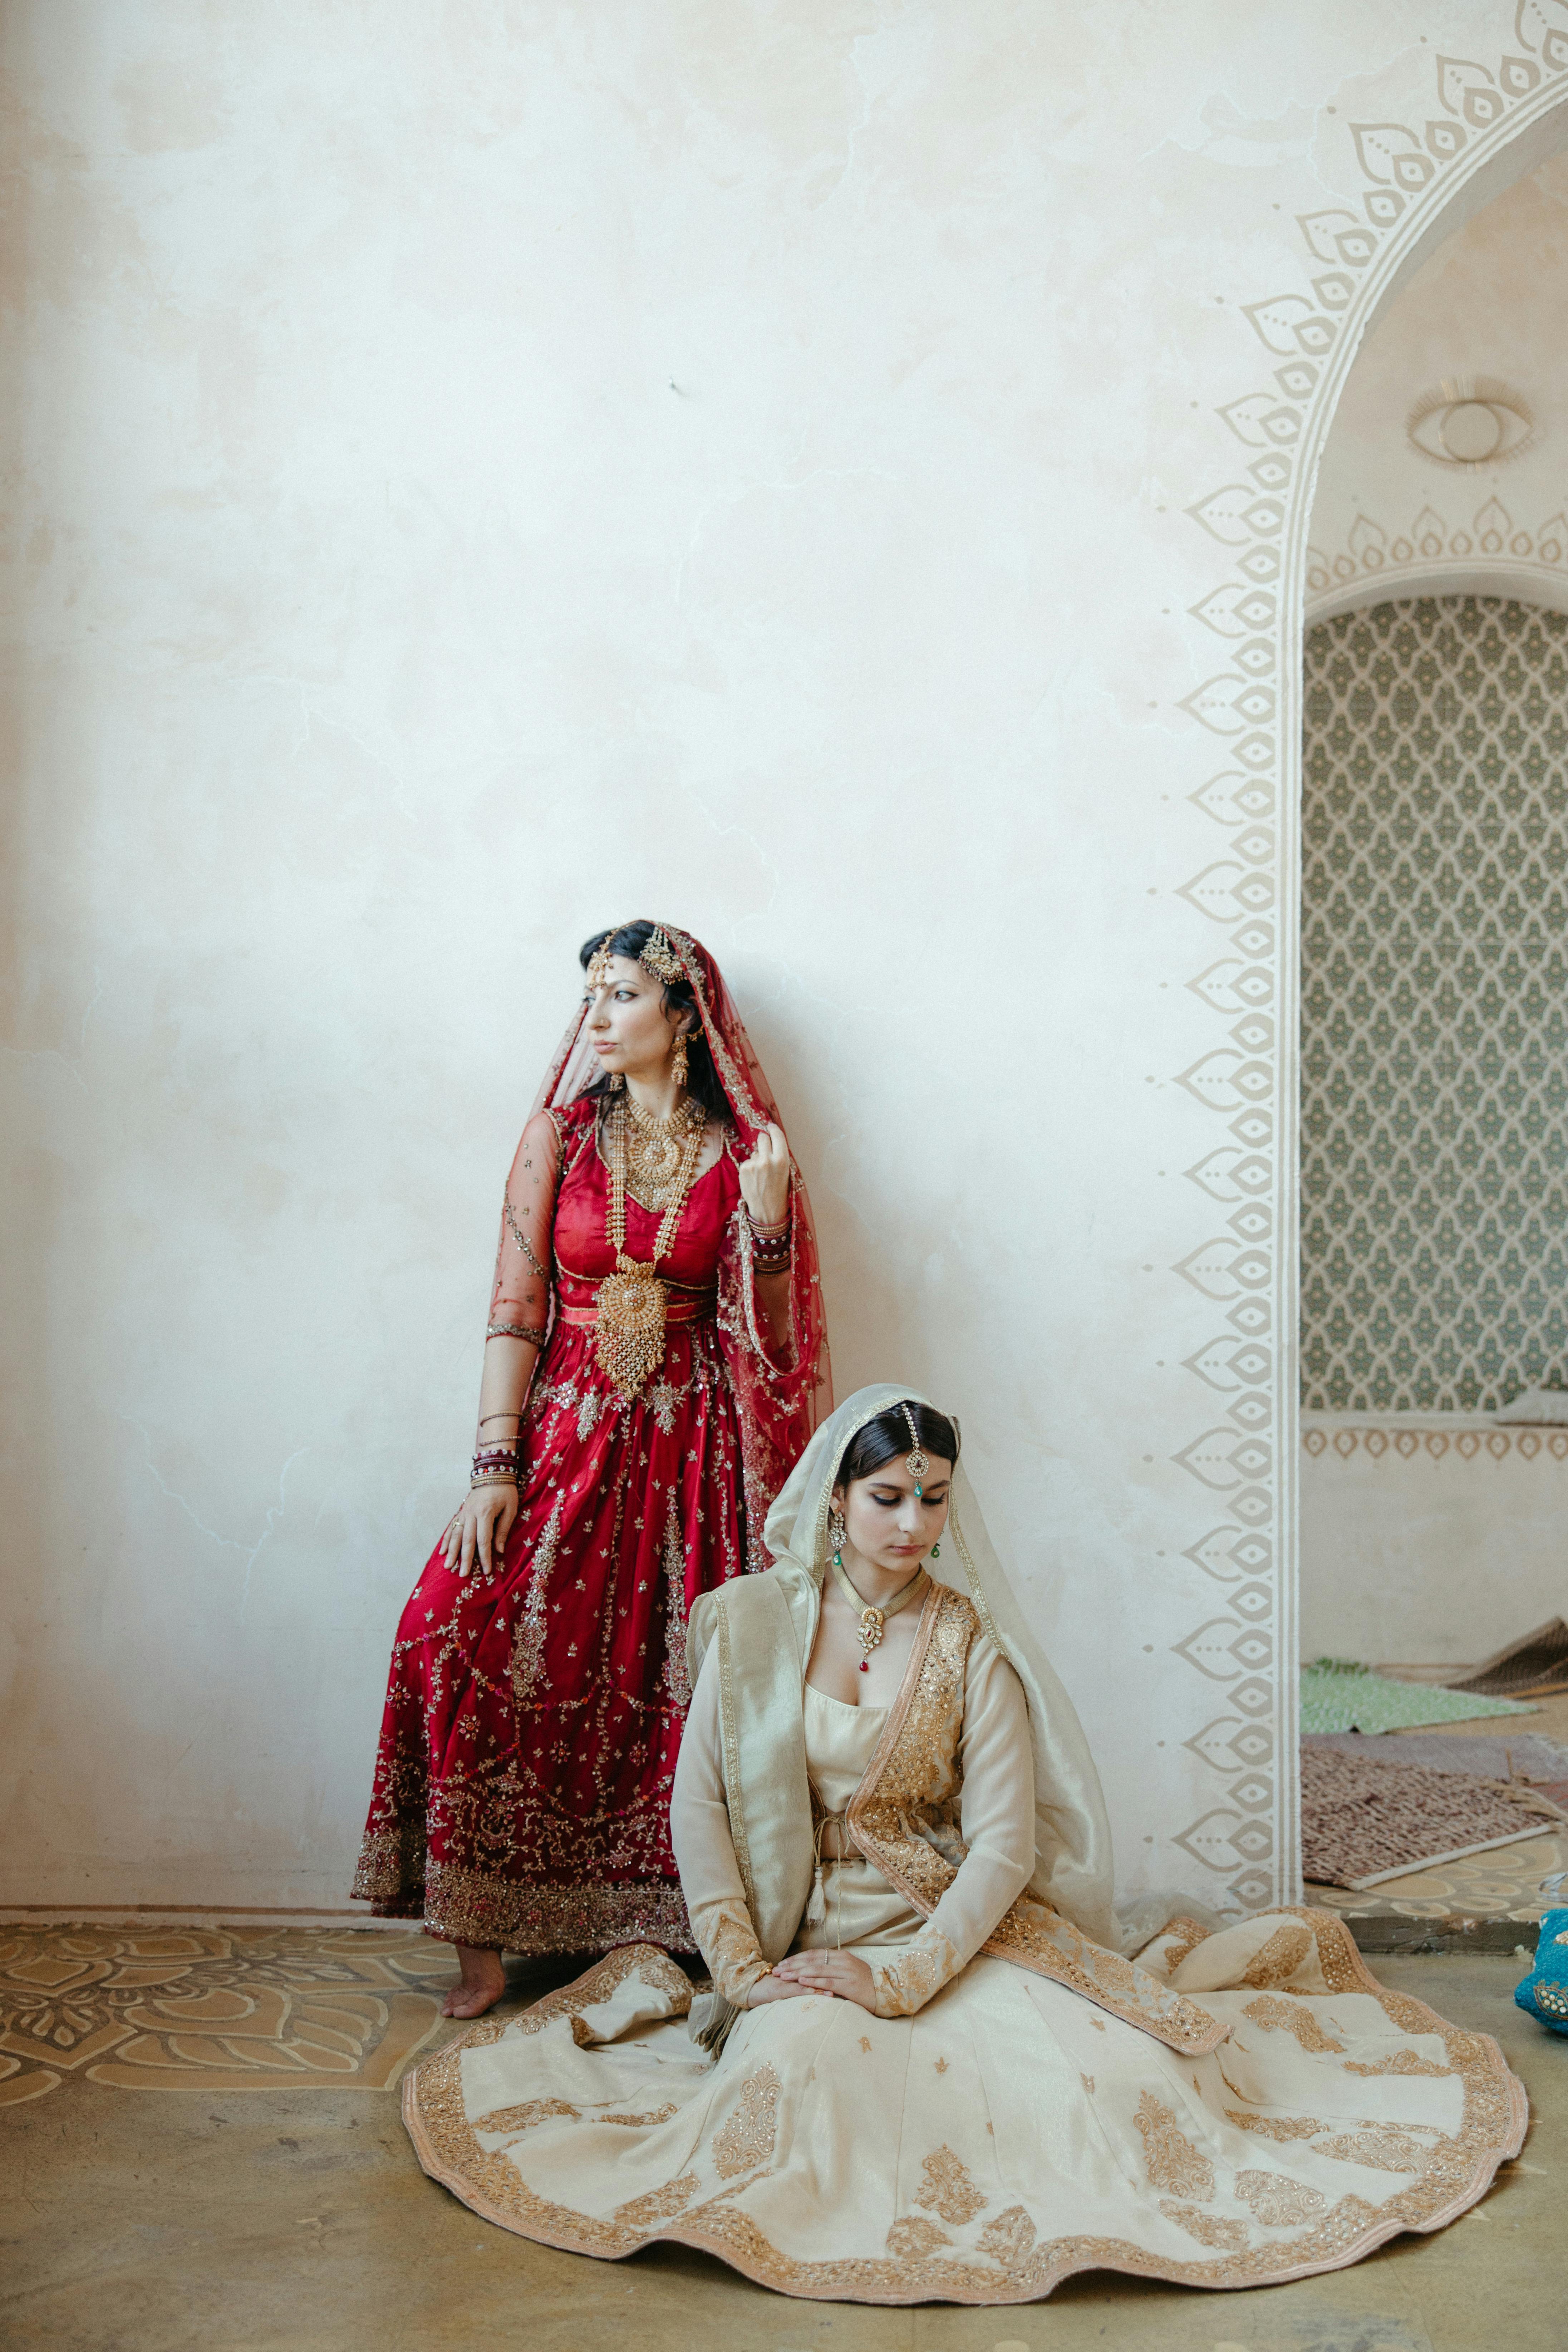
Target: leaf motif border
[1245, 901]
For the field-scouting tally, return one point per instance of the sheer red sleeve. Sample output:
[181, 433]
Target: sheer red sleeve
[519, 1297]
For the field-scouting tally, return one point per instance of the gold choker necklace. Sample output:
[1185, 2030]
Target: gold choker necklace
[657, 1149]
[872, 1618]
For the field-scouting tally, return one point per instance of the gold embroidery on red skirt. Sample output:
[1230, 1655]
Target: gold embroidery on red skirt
[527, 1641]
[676, 1672]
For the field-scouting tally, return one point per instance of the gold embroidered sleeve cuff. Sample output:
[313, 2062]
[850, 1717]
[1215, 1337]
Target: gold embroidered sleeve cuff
[906, 1980]
[728, 1943]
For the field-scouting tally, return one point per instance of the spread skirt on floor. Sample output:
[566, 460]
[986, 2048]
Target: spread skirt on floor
[1007, 2134]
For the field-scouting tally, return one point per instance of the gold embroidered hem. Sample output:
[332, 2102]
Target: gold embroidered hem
[1006, 2135]
[463, 1906]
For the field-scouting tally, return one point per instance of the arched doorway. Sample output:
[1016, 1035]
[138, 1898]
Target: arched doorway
[1408, 185]
[1434, 1125]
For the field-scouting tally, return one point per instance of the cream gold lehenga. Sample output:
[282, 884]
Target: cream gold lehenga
[1238, 2105]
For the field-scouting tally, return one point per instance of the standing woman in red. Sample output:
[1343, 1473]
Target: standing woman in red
[655, 1361]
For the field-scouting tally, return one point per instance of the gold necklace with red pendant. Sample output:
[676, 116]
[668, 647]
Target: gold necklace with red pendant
[872, 1620]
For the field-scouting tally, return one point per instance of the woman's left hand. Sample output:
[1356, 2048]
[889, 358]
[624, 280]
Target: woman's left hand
[764, 1178]
[843, 1975]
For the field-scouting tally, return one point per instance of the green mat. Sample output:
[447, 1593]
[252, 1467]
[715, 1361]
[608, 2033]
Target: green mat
[1337, 1696]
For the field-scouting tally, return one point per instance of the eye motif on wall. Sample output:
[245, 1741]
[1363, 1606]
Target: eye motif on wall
[1476, 422]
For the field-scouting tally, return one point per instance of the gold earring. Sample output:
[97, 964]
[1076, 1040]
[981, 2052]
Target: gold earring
[838, 1536]
[677, 1064]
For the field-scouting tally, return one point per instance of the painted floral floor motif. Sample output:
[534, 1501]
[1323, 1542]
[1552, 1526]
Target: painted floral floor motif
[1503, 1884]
[227, 2009]
[166, 2009]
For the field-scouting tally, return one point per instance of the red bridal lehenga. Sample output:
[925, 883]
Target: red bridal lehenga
[533, 1718]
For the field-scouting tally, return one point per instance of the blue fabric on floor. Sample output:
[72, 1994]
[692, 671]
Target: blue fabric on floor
[1544, 1991]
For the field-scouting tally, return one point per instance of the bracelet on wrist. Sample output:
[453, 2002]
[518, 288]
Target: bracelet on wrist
[495, 1465]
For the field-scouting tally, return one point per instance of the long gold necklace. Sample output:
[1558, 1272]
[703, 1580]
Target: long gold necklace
[629, 1339]
[872, 1620]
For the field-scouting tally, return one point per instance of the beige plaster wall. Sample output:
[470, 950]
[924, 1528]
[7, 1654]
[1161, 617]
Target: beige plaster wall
[1429, 1539]
[478, 472]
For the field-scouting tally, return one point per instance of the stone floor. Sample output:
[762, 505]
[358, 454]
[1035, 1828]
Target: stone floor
[205, 2152]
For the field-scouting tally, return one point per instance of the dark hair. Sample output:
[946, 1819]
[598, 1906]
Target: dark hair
[888, 1434]
[701, 1079]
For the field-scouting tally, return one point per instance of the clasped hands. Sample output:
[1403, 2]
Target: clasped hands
[844, 1976]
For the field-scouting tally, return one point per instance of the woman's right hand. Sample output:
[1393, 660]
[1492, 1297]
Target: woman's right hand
[773, 1988]
[480, 1529]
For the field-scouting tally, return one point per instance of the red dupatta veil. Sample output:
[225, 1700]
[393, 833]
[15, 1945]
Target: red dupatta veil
[780, 1402]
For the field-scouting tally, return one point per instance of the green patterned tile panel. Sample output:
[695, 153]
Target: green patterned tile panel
[1434, 953]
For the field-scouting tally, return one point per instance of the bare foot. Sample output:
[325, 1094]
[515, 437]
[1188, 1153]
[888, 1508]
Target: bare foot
[484, 1982]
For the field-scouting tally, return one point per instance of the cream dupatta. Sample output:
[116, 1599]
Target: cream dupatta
[902, 1817]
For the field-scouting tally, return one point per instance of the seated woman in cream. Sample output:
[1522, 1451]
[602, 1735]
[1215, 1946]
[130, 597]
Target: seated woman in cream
[927, 2069]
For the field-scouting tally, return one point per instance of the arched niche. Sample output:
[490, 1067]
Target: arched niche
[1399, 189]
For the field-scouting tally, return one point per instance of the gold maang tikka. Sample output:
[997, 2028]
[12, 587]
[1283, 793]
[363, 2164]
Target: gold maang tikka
[658, 958]
[599, 962]
[916, 1464]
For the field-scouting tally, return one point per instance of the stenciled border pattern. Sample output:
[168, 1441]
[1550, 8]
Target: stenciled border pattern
[1470, 1445]
[1247, 1457]
[1427, 555]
